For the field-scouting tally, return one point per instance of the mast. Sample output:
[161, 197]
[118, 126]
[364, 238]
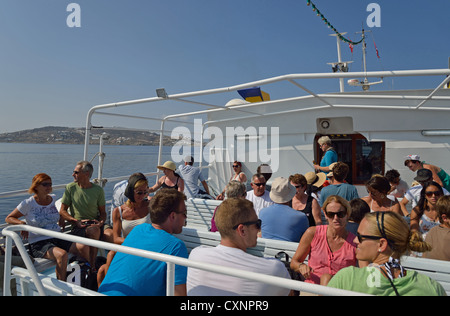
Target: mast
[340, 65]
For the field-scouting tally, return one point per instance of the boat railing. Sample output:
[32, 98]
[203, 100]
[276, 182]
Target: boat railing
[327, 100]
[12, 234]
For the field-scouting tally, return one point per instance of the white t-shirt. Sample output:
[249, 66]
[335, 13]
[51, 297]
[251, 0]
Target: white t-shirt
[259, 202]
[400, 191]
[204, 283]
[40, 216]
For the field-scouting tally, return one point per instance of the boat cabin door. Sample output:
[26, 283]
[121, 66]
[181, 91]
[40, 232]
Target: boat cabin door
[363, 157]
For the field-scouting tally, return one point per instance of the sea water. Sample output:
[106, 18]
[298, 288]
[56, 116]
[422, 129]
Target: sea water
[20, 162]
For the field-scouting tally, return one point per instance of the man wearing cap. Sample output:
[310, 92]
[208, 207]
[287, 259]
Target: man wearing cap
[280, 221]
[191, 175]
[339, 187]
[413, 194]
[414, 163]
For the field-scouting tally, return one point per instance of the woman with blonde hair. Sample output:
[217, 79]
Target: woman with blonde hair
[329, 247]
[382, 239]
[40, 211]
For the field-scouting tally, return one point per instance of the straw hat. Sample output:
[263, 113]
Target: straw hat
[330, 174]
[316, 179]
[168, 165]
[282, 190]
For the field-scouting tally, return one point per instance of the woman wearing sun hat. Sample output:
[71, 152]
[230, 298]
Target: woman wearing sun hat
[170, 180]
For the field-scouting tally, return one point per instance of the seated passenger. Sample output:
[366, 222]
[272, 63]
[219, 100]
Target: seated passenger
[329, 247]
[398, 186]
[234, 189]
[413, 194]
[170, 180]
[238, 226]
[304, 202]
[359, 209]
[133, 212]
[40, 211]
[239, 175]
[439, 236]
[339, 186]
[280, 221]
[259, 196]
[425, 216]
[378, 188]
[137, 276]
[266, 171]
[83, 205]
[191, 175]
[383, 238]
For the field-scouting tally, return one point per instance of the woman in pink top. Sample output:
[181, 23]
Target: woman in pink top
[330, 247]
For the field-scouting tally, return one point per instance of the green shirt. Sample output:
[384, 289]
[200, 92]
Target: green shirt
[84, 203]
[370, 280]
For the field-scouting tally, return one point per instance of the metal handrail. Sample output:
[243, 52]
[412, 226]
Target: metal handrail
[11, 234]
[288, 78]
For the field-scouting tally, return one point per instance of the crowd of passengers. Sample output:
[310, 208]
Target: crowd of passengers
[345, 239]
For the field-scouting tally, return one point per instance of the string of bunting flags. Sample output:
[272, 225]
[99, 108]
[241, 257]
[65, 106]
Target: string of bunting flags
[341, 37]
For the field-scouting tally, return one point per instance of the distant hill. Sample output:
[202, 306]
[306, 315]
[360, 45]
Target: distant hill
[68, 135]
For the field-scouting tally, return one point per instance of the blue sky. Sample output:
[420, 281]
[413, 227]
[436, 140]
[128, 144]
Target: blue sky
[51, 74]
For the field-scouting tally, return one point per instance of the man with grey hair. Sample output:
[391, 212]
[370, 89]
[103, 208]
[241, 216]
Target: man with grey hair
[259, 195]
[86, 201]
[234, 189]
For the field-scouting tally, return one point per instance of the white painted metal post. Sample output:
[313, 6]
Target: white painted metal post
[170, 279]
[7, 267]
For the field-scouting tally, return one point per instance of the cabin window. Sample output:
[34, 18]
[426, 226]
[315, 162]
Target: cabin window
[364, 158]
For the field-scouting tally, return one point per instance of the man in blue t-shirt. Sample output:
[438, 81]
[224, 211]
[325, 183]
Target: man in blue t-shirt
[280, 221]
[130, 275]
[339, 186]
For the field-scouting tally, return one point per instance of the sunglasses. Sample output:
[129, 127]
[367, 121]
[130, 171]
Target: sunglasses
[259, 184]
[361, 238]
[340, 214]
[431, 193]
[236, 166]
[46, 184]
[257, 223]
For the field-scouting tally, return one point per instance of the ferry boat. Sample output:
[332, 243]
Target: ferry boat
[372, 131]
